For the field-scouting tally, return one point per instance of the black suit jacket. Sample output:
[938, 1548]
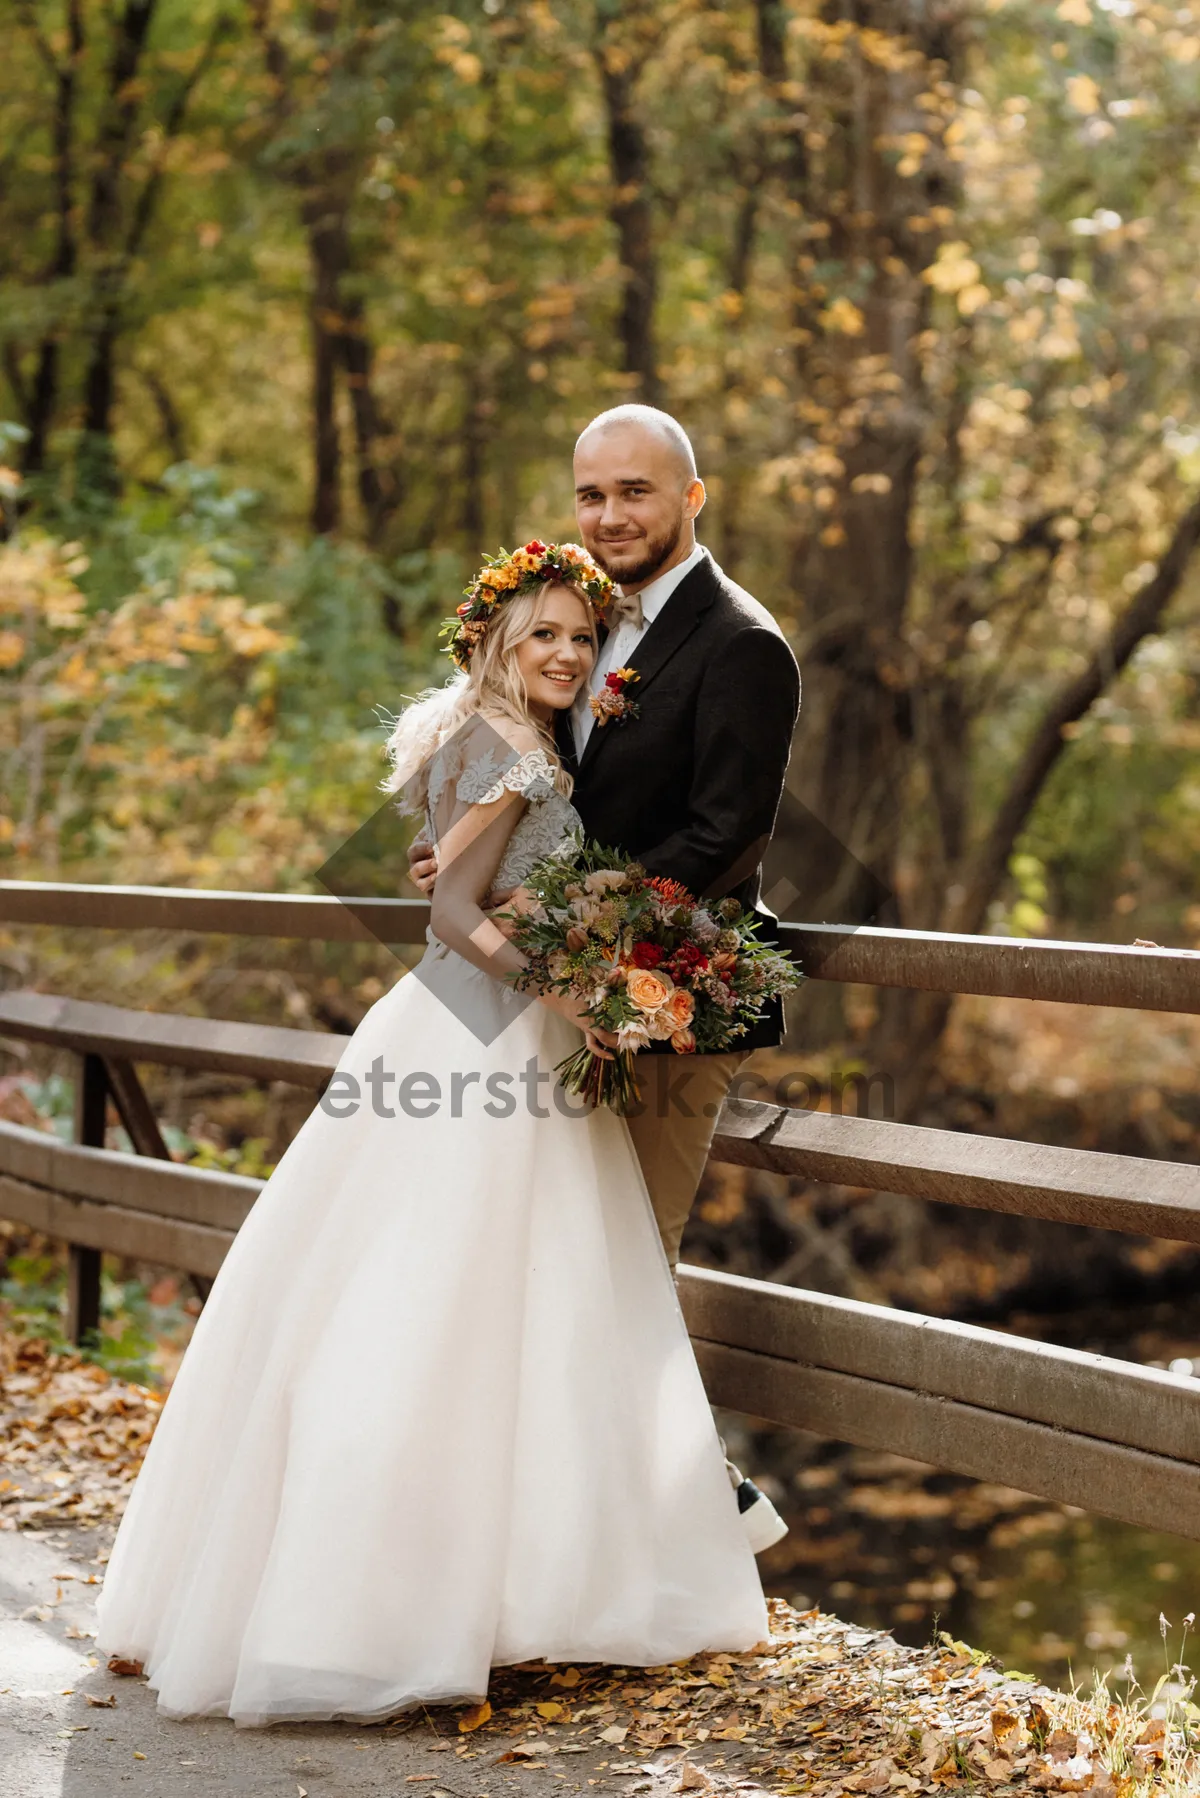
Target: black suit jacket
[692, 784]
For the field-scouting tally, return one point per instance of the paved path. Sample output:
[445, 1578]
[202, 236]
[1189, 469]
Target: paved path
[55, 1744]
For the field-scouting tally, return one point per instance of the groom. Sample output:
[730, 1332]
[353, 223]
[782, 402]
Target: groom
[690, 783]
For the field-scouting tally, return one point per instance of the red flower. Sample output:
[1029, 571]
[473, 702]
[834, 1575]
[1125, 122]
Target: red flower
[647, 955]
[613, 682]
[535, 548]
[687, 960]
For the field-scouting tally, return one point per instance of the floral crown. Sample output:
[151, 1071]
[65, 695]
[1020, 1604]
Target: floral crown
[504, 577]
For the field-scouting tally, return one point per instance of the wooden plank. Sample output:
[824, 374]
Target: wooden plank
[1073, 1186]
[135, 1109]
[194, 1248]
[257, 1051]
[1150, 1491]
[310, 917]
[171, 1190]
[1156, 979]
[1091, 1395]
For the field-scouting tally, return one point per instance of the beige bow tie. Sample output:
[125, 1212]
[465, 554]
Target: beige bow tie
[628, 608]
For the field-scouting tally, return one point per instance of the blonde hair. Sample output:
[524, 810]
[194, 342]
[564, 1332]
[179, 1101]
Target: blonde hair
[492, 687]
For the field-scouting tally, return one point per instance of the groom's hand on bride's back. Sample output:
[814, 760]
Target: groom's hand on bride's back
[422, 866]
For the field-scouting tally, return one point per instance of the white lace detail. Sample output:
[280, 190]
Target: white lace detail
[483, 781]
[548, 825]
[548, 828]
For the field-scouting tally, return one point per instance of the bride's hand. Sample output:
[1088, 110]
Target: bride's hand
[600, 1042]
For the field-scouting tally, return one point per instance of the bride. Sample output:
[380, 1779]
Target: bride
[441, 1412]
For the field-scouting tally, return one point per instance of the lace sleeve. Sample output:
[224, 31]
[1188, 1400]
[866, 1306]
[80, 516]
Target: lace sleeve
[483, 781]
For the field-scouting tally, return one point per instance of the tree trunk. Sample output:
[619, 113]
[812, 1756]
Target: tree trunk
[631, 212]
[43, 397]
[325, 225]
[113, 139]
[379, 490]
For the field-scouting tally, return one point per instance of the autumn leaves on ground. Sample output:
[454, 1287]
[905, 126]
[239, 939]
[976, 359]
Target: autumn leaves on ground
[822, 1708]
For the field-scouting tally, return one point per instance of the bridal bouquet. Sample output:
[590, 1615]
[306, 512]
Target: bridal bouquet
[648, 961]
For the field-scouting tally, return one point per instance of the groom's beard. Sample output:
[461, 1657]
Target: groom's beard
[655, 551]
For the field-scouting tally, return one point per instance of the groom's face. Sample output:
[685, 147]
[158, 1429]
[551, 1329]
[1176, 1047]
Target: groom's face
[632, 500]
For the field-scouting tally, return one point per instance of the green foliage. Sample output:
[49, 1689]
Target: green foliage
[132, 1326]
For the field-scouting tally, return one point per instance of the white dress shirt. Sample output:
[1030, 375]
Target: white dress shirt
[620, 643]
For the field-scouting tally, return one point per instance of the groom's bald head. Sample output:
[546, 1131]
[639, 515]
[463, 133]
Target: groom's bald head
[646, 421]
[636, 493]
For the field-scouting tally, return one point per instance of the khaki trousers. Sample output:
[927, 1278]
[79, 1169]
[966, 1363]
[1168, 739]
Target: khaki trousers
[672, 1128]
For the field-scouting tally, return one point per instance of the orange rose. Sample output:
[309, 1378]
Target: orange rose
[726, 959]
[684, 1042]
[680, 1008]
[647, 989]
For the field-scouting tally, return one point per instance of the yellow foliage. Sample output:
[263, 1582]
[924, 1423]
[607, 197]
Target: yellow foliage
[1083, 94]
[954, 270]
[88, 673]
[844, 317]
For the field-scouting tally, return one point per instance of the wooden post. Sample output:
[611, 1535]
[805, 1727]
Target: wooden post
[83, 1265]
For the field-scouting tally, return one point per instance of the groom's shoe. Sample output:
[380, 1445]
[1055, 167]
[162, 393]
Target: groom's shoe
[762, 1523]
[760, 1520]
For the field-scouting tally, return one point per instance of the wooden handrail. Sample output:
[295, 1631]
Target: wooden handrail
[1143, 979]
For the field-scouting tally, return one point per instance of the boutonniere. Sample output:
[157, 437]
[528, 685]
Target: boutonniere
[613, 701]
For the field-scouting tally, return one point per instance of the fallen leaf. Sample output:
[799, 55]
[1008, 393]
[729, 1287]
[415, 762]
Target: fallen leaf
[616, 1732]
[127, 1669]
[475, 1718]
[551, 1710]
[1061, 1744]
[692, 1779]
[137, 1756]
[571, 1677]
[1006, 1726]
[102, 1704]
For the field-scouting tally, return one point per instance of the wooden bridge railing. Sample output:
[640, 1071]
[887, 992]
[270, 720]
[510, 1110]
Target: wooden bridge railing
[1083, 1429]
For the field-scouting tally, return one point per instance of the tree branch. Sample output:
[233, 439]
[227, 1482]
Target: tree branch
[1074, 698]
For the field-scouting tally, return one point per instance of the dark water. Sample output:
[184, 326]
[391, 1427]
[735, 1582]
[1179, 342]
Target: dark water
[1048, 1589]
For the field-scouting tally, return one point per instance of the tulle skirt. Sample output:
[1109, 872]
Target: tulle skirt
[441, 1412]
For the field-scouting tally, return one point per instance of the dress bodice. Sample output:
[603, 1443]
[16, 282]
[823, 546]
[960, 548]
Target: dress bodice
[547, 825]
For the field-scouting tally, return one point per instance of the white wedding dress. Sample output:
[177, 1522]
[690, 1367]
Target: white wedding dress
[440, 1412]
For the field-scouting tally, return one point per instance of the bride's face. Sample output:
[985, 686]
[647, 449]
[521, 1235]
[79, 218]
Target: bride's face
[556, 658]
